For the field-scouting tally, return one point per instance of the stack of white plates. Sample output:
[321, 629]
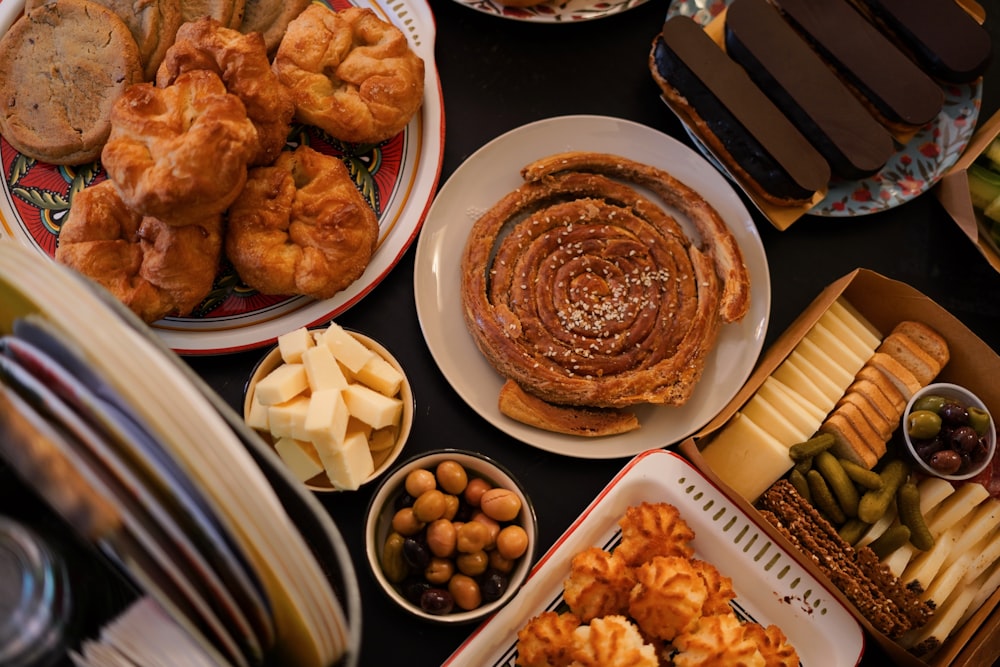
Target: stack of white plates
[147, 462]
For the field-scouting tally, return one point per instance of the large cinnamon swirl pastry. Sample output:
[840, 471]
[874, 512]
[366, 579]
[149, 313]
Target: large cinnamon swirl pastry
[587, 292]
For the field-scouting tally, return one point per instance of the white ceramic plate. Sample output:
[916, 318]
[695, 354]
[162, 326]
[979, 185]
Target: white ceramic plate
[911, 171]
[401, 174]
[492, 172]
[771, 587]
[554, 11]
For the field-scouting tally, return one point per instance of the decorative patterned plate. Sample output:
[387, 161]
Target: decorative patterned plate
[914, 168]
[493, 171]
[554, 11]
[771, 587]
[398, 177]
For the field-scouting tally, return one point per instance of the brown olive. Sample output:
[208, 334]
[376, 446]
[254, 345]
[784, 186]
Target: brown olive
[451, 505]
[451, 477]
[429, 506]
[439, 570]
[465, 591]
[441, 538]
[406, 523]
[473, 564]
[512, 542]
[499, 562]
[472, 536]
[475, 489]
[500, 504]
[946, 461]
[492, 524]
[418, 481]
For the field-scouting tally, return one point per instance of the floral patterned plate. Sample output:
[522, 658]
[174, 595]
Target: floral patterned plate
[554, 11]
[398, 177]
[914, 168]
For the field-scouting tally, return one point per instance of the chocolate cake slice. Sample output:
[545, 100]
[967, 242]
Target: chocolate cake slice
[733, 117]
[900, 94]
[796, 79]
[941, 36]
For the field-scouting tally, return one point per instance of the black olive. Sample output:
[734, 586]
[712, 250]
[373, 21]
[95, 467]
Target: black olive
[493, 585]
[954, 414]
[964, 438]
[437, 601]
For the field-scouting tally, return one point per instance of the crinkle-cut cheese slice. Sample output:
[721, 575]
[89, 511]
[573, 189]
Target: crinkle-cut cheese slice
[852, 359]
[288, 419]
[348, 350]
[763, 413]
[831, 392]
[844, 311]
[348, 465]
[746, 457]
[327, 418]
[281, 384]
[793, 377]
[837, 373]
[322, 369]
[293, 344]
[779, 397]
[300, 457]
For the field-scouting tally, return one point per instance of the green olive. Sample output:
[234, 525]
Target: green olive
[923, 424]
[931, 402]
[979, 419]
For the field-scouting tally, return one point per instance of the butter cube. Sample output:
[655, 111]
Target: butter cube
[288, 419]
[375, 409]
[293, 344]
[300, 457]
[281, 384]
[346, 348]
[322, 369]
[257, 415]
[380, 375]
[327, 418]
[349, 465]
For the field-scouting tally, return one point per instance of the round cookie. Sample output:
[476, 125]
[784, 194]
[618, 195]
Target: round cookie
[270, 18]
[301, 227]
[352, 74]
[64, 119]
[153, 24]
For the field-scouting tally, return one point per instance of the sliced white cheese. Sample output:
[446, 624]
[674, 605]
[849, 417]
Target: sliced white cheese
[925, 565]
[831, 390]
[797, 409]
[322, 369]
[983, 521]
[327, 417]
[746, 457]
[346, 348]
[774, 421]
[789, 374]
[850, 358]
[281, 384]
[956, 506]
[300, 457]
[933, 491]
[293, 344]
[349, 465]
[375, 409]
[848, 315]
[840, 376]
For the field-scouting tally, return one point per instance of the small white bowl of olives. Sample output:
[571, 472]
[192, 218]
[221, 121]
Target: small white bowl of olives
[450, 536]
[949, 432]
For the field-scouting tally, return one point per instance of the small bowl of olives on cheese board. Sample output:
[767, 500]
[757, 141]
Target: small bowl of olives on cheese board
[450, 536]
[949, 431]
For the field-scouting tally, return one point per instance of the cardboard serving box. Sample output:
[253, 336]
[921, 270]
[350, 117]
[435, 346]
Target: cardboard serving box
[884, 302]
[953, 193]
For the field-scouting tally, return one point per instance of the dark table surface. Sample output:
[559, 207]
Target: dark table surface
[498, 74]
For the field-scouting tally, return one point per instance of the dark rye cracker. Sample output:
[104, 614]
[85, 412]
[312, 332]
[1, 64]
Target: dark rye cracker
[62, 66]
[797, 80]
[729, 113]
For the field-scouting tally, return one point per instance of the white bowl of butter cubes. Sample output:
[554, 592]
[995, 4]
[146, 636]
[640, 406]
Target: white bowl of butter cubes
[335, 405]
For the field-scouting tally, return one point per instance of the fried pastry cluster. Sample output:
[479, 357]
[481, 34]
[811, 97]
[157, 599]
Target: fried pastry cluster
[649, 603]
[197, 171]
